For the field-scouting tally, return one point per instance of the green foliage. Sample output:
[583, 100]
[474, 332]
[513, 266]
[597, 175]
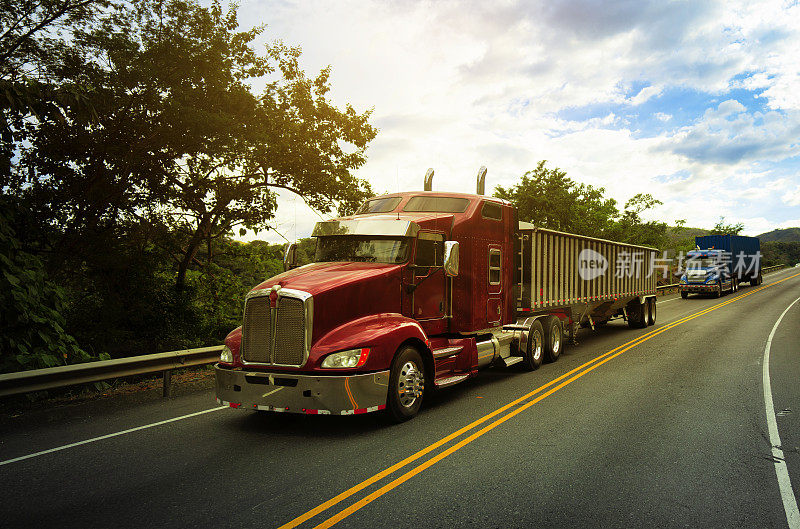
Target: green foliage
[780, 252]
[32, 324]
[181, 140]
[32, 36]
[630, 227]
[550, 199]
[721, 228]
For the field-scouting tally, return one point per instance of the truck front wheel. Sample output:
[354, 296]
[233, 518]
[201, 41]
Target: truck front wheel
[406, 384]
[553, 338]
[684, 294]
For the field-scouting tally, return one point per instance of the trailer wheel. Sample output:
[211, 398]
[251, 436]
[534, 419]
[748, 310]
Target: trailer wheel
[651, 311]
[553, 338]
[406, 384]
[636, 315]
[684, 294]
[754, 282]
[532, 357]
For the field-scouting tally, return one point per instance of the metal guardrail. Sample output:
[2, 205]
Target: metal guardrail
[765, 270]
[61, 376]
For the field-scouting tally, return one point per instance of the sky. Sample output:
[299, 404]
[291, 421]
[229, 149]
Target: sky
[697, 103]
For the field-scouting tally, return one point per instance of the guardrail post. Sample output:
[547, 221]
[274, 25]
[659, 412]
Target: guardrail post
[167, 383]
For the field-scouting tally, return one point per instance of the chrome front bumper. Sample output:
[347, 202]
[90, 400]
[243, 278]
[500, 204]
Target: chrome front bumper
[312, 395]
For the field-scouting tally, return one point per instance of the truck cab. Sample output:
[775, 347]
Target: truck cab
[401, 297]
[708, 272]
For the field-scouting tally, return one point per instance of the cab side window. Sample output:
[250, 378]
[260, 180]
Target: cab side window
[430, 251]
[495, 266]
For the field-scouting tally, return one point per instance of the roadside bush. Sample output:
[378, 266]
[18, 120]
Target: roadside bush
[32, 324]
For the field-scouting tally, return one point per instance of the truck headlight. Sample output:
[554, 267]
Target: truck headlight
[226, 356]
[346, 359]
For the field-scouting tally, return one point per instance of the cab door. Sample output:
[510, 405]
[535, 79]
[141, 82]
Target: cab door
[428, 299]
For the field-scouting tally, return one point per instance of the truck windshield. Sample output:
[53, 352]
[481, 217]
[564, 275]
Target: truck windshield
[364, 249]
[706, 262]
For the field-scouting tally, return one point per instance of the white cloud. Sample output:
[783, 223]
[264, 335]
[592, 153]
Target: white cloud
[645, 94]
[455, 86]
[728, 135]
[792, 198]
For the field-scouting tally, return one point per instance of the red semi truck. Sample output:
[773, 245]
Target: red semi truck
[418, 291]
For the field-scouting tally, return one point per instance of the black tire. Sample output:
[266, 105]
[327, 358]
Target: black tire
[754, 282]
[534, 353]
[553, 338]
[406, 384]
[760, 279]
[718, 292]
[651, 311]
[734, 285]
[684, 294]
[637, 318]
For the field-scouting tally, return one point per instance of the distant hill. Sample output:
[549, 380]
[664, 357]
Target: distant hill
[787, 235]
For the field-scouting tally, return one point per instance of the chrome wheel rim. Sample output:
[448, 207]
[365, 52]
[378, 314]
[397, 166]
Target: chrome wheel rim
[536, 346]
[411, 384]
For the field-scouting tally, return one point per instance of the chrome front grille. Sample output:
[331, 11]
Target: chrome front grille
[695, 276]
[277, 336]
[257, 330]
[290, 332]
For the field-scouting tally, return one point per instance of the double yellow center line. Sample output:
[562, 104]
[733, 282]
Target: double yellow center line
[558, 383]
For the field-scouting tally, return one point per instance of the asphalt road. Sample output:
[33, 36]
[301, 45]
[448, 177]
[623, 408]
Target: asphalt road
[666, 431]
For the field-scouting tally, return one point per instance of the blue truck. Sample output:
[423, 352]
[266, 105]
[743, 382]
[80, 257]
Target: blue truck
[720, 263]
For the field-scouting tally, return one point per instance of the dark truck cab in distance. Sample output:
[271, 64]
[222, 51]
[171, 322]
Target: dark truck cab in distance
[720, 263]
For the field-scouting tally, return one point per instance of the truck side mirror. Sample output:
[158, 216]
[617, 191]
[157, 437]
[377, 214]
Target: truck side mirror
[290, 257]
[451, 258]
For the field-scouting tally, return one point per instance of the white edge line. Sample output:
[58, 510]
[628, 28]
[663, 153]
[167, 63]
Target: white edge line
[781, 470]
[115, 434]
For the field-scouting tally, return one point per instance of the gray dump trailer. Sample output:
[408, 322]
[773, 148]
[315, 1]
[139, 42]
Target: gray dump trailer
[589, 280]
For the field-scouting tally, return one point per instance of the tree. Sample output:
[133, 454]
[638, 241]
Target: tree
[181, 140]
[720, 228]
[630, 227]
[32, 33]
[550, 199]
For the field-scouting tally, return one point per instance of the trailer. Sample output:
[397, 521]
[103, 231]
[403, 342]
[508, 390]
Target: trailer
[418, 291]
[589, 280]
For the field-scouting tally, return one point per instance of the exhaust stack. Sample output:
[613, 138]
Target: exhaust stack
[482, 180]
[429, 179]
